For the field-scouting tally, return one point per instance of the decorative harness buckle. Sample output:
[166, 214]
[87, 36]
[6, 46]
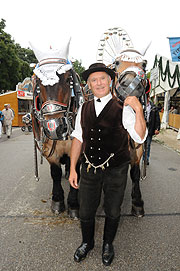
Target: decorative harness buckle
[50, 108]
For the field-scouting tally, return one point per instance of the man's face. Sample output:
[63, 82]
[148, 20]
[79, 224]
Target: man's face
[99, 83]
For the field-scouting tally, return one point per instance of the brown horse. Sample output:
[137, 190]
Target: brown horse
[131, 80]
[53, 117]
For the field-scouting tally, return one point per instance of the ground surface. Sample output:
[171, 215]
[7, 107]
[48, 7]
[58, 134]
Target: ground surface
[168, 138]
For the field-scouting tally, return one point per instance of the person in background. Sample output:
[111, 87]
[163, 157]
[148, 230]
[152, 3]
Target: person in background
[173, 110]
[101, 134]
[159, 106]
[1, 122]
[153, 125]
[9, 106]
[8, 117]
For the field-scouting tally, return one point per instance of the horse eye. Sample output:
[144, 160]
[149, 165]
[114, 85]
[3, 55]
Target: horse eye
[68, 80]
[117, 63]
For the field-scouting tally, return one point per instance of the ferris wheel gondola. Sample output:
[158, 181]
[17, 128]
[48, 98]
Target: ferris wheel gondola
[112, 42]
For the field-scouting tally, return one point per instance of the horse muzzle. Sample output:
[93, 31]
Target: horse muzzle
[135, 88]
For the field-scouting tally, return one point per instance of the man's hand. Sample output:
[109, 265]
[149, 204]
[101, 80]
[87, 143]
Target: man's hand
[134, 103]
[74, 156]
[156, 132]
[73, 180]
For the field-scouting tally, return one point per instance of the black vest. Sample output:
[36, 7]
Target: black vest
[104, 135]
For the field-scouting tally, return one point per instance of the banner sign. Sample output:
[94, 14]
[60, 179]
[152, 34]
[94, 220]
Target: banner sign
[175, 48]
[25, 89]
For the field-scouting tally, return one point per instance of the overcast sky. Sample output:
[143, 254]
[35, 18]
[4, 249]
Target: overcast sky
[52, 22]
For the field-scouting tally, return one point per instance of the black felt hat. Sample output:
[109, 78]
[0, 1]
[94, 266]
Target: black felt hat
[97, 67]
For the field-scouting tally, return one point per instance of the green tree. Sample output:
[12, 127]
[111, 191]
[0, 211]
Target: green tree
[14, 61]
[25, 54]
[78, 68]
[9, 61]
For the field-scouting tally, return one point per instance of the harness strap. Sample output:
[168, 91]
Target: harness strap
[52, 149]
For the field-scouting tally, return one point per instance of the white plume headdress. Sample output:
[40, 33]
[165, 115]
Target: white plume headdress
[50, 62]
[133, 55]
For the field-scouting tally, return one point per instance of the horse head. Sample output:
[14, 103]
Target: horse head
[55, 85]
[131, 77]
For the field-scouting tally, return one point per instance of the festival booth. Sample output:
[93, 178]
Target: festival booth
[165, 88]
[20, 100]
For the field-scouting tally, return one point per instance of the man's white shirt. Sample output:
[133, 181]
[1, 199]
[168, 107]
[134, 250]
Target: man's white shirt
[128, 119]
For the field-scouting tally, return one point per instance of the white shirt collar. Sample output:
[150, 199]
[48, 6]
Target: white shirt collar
[104, 99]
[100, 105]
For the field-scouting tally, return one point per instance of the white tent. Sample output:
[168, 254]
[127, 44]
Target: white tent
[165, 79]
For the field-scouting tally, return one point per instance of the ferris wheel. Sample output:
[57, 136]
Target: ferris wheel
[112, 42]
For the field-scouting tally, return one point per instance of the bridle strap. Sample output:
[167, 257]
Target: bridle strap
[53, 107]
[52, 61]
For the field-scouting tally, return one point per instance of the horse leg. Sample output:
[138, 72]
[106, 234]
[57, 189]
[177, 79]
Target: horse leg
[57, 205]
[137, 202]
[72, 201]
[67, 168]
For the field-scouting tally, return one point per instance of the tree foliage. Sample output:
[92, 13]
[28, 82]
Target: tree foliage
[78, 68]
[14, 61]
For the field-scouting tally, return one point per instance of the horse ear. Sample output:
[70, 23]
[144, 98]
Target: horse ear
[61, 53]
[143, 51]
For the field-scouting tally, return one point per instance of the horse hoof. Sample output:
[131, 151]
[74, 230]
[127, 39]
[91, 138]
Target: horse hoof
[137, 211]
[143, 178]
[57, 207]
[73, 213]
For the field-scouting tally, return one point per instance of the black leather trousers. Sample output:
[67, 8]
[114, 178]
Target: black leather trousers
[112, 181]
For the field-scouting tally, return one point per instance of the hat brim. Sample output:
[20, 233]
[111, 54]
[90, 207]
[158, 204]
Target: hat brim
[86, 73]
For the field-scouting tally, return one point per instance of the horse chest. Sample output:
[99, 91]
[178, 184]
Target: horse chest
[63, 147]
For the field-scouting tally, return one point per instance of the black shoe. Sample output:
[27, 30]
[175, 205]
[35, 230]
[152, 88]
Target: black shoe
[107, 254]
[82, 251]
[8, 136]
[147, 163]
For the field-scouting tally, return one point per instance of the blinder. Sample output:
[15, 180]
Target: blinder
[135, 88]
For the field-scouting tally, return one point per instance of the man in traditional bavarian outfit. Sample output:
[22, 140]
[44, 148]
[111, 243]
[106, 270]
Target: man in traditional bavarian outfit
[103, 140]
